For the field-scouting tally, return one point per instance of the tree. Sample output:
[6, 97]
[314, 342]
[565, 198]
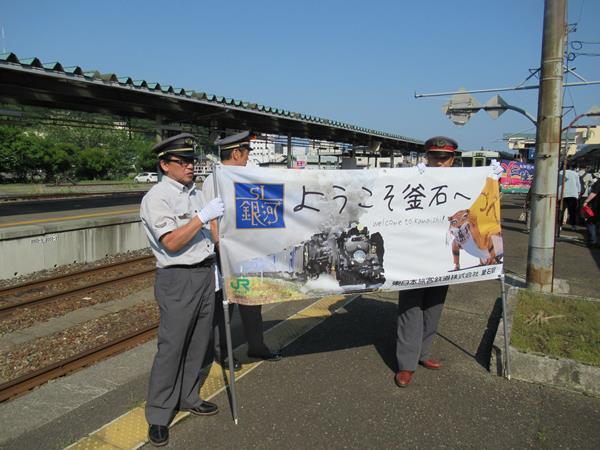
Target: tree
[9, 137]
[58, 159]
[145, 159]
[93, 163]
[21, 152]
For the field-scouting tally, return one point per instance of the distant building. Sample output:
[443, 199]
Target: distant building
[587, 147]
[264, 151]
[589, 135]
[524, 143]
[271, 150]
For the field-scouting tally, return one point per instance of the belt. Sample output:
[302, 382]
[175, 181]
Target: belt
[208, 262]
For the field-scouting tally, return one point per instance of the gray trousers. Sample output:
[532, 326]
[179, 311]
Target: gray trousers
[251, 321]
[186, 301]
[419, 312]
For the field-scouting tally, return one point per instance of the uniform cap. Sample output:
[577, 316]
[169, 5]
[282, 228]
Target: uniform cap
[182, 145]
[236, 140]
[440, 144]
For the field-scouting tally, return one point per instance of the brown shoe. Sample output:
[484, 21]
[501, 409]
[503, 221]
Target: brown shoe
[403, 378]
[432, 364]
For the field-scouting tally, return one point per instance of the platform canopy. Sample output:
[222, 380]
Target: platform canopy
[588, 155]
[54, 85]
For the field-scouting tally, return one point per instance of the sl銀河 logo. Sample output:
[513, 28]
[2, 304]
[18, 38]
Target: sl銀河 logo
[259, 205]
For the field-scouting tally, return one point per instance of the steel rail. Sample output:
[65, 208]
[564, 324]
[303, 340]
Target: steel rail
[18, 304]
[24, 383]
[4, 291]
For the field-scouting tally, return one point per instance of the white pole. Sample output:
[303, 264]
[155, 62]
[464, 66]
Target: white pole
[505, 325]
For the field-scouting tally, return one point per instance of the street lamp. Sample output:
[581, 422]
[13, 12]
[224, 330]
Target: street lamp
[462, 106]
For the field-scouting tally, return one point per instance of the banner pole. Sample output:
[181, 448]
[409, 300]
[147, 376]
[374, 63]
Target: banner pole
[505, 325]
[234, 405]
[232, 390]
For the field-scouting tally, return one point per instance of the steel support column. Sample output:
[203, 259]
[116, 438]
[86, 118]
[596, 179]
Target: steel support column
[289, 151]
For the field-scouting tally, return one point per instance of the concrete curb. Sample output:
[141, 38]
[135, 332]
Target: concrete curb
[539, 368]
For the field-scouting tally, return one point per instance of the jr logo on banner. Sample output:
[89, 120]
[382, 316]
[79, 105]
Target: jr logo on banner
[259, 205]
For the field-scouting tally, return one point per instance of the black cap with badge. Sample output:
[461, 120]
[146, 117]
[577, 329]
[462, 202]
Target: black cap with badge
[236, 140]
[182, 145]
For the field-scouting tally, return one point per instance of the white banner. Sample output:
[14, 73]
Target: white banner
[296, 234]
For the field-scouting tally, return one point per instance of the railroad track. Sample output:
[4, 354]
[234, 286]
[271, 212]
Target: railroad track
[25, 383]
[14, 297]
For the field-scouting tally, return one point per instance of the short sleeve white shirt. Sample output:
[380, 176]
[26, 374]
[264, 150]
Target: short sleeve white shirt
[166, 207]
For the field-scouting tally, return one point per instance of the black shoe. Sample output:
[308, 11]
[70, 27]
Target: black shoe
[237, 366]
[204, 409]
[158, 435]
[267, 356]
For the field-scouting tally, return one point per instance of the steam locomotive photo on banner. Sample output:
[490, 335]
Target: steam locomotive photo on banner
[352, 257]
[292, 235]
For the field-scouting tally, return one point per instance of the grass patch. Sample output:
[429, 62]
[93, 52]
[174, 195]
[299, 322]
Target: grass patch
[557, 326]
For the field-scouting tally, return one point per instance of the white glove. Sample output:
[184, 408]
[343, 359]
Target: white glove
[212, 210]
[421, 166]
[496, 170]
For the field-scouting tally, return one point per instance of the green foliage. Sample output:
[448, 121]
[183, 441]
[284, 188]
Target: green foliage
[9, 136]
[52, 152]
[58, 159]
[145, 158]
[93, 163]
[557, 326]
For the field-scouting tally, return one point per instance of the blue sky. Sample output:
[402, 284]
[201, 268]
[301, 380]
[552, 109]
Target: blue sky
[354, 61]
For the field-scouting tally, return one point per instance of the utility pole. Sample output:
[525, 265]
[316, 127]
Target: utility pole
[540, 266]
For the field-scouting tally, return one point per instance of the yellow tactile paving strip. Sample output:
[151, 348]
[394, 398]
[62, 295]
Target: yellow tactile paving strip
[130, 430]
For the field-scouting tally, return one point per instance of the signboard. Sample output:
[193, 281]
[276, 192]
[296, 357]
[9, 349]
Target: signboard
[517, 176]
[291, 235]
[300, 162]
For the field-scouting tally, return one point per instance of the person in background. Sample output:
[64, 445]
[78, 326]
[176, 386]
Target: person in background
[176, 220]
[586, 179]
[234, 151]
[572, 190]
[592, 220]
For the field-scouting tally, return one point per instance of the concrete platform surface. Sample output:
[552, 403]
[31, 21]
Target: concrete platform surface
[335, 387]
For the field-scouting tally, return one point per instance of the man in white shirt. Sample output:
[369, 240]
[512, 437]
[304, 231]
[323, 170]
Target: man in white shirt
[176, 219]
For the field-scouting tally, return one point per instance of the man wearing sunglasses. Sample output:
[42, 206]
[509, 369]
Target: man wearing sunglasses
[234, 151]
[419, 310]
[176, 219]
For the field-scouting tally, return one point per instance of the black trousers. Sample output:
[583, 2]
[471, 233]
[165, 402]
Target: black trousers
[570, 204]
[252, 322]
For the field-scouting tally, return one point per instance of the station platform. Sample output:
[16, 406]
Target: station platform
[41, 235]
[30, 214]
[334, 388]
